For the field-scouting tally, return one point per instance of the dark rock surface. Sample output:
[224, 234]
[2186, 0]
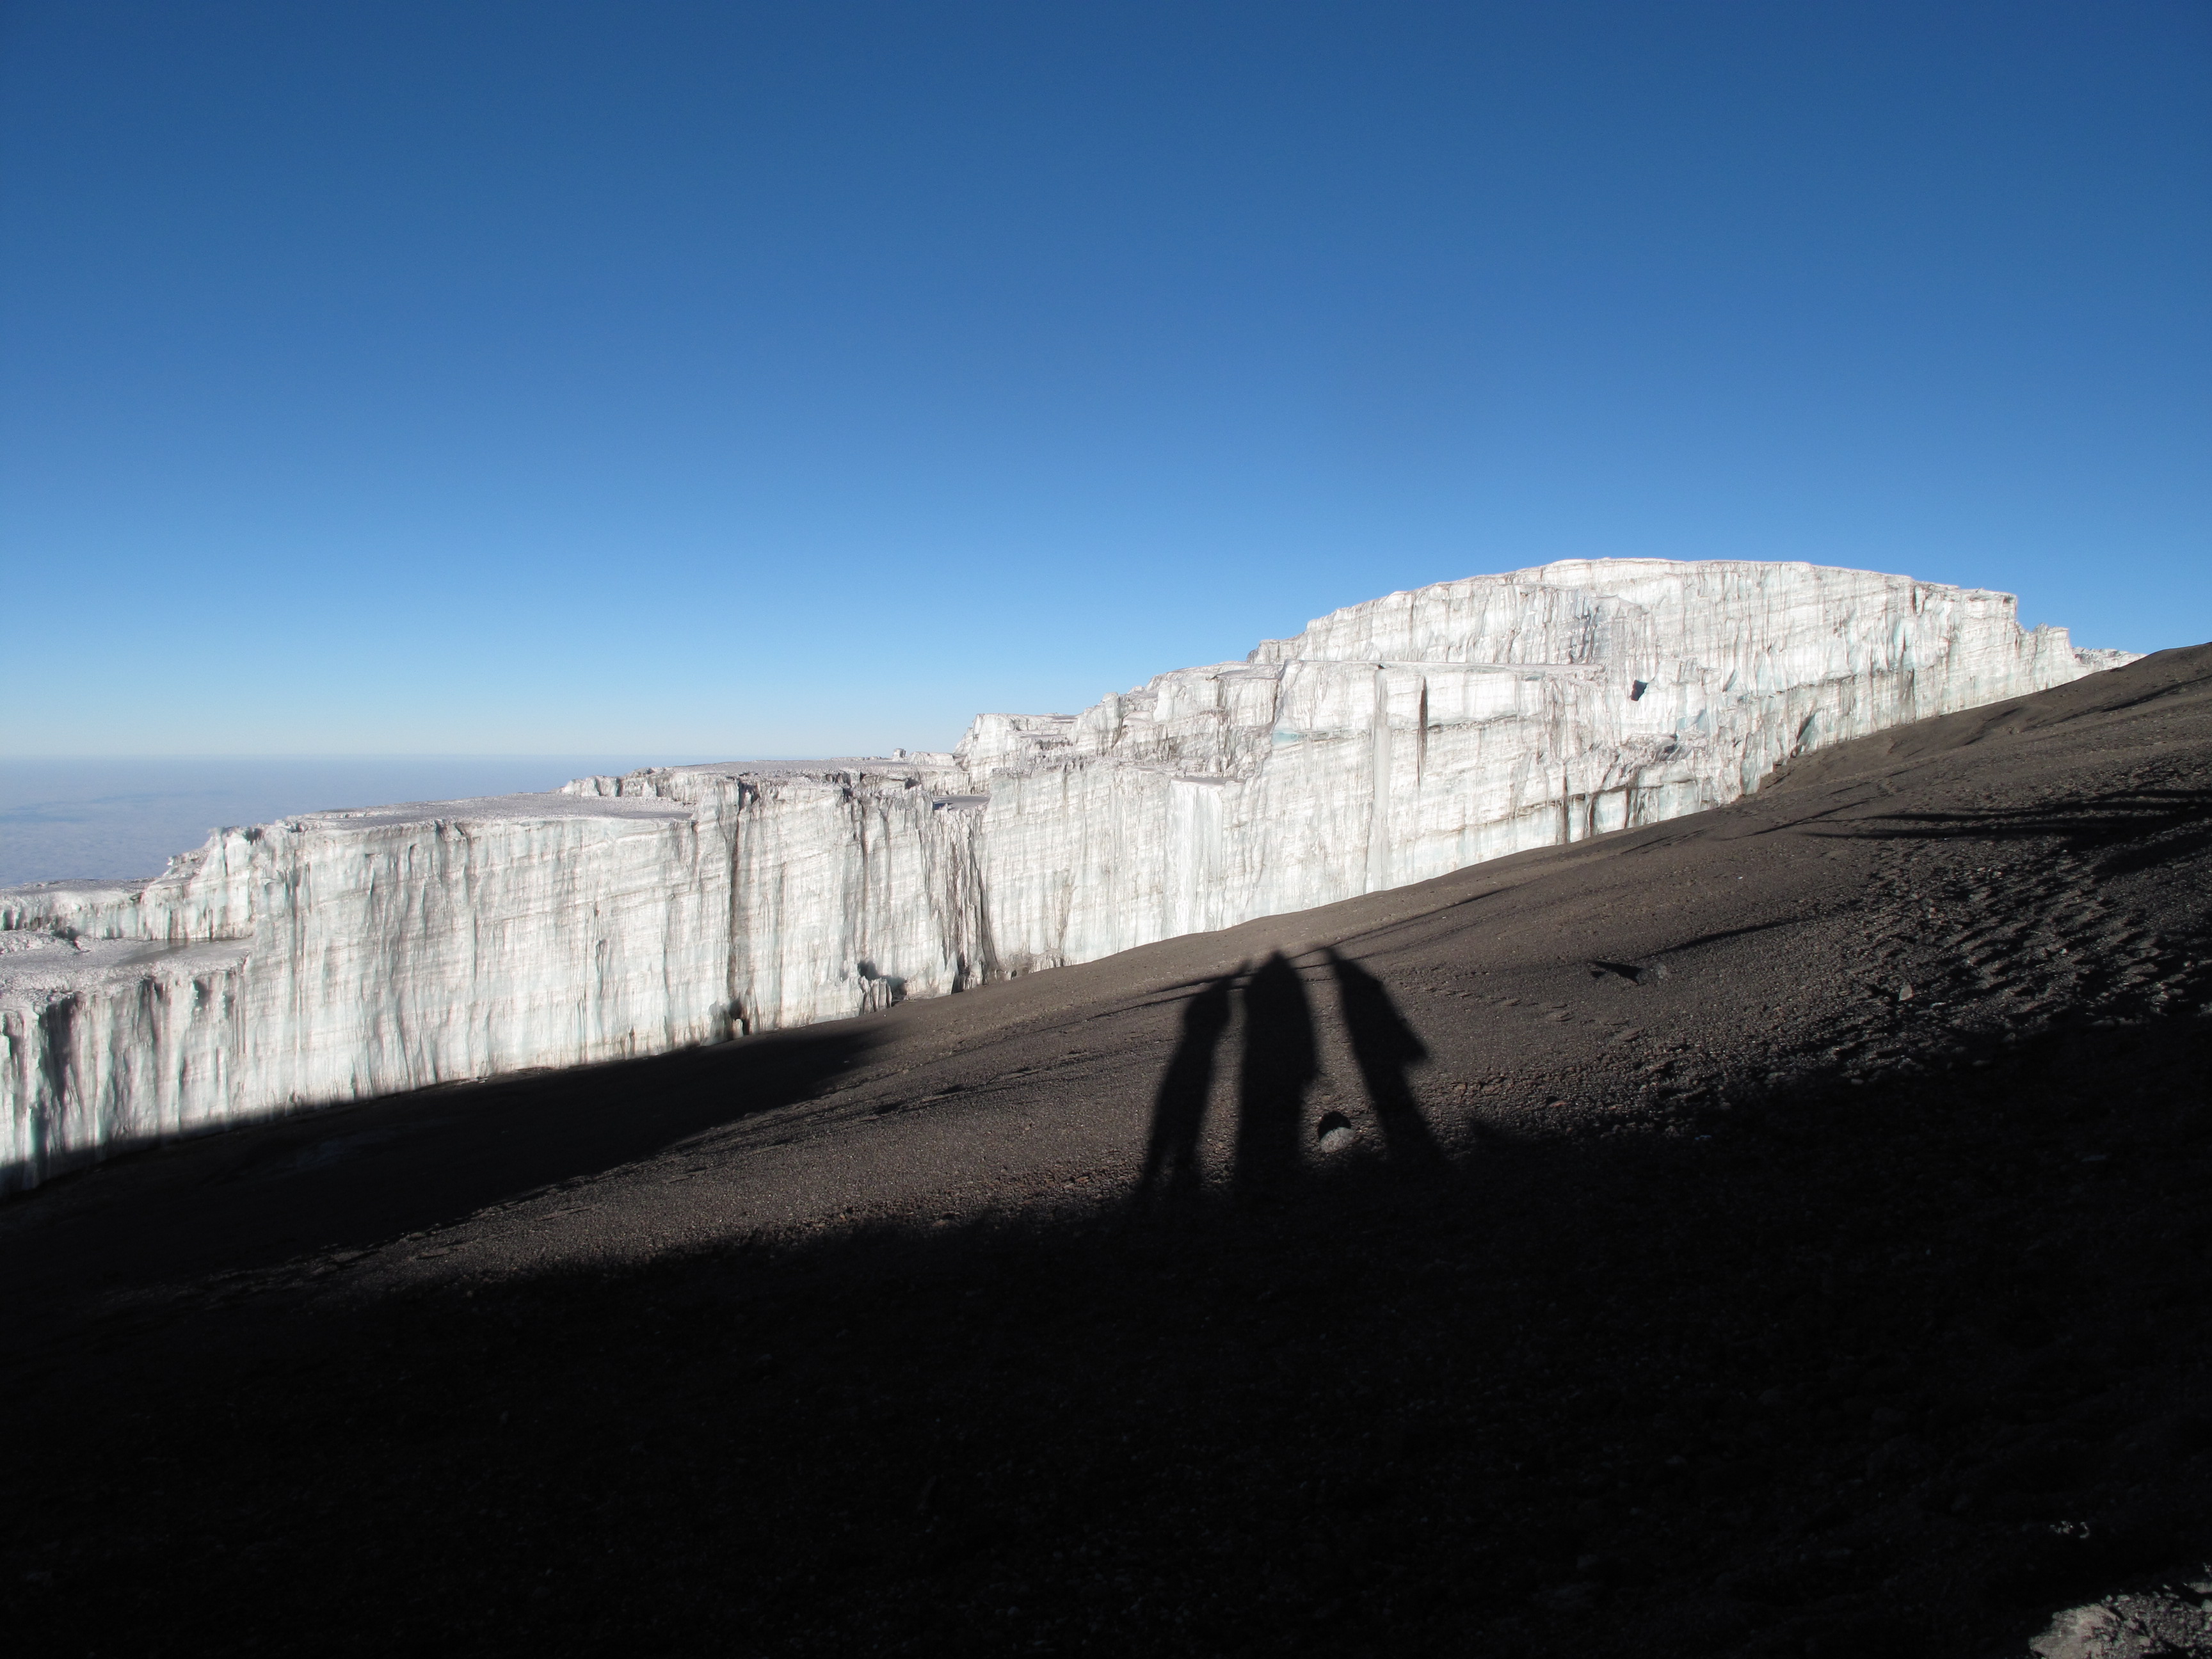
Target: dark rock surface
[1783, 1231]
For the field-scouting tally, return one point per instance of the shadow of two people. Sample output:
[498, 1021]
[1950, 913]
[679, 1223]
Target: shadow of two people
[1280, 1064]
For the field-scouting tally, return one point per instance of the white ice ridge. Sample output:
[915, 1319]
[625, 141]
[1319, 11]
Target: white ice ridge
[339, 955]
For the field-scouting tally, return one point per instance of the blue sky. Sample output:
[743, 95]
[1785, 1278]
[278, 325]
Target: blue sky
[727, 379]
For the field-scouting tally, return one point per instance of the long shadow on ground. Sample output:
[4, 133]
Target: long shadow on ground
[2128, 831]
[357, 1176]
[1891, 1369]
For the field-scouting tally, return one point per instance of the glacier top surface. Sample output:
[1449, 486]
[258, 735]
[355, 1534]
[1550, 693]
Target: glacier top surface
[1641, 580]
[545, 804]
[37, 963]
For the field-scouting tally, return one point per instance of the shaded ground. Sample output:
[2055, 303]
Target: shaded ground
[1783, 1231]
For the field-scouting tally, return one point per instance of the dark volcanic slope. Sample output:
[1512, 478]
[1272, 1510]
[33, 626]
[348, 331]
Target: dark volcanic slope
[1780, 1232]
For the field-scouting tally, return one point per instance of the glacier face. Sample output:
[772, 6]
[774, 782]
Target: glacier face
[340, 955]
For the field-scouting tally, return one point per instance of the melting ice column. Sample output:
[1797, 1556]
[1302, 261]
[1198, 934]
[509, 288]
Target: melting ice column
[1380, 793]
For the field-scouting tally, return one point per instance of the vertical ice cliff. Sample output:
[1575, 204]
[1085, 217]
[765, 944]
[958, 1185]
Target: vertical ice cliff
[338, 955]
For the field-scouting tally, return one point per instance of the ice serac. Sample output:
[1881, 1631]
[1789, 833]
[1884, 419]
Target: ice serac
[338, 955]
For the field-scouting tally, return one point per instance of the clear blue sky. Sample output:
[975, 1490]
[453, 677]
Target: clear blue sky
[734, 379]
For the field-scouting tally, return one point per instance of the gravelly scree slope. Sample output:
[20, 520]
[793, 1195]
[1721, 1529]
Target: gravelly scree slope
[1782, 1232]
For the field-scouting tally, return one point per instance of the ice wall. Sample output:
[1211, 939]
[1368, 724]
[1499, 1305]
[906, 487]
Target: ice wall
[340, 955]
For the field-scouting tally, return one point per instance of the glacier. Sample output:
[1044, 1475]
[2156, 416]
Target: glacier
[335, 956]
